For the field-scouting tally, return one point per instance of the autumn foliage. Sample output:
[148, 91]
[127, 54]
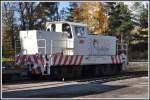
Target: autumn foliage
[93, 15]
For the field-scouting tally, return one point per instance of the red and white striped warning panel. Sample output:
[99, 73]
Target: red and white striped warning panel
[117, 59]
[67, 59]
[38, 59]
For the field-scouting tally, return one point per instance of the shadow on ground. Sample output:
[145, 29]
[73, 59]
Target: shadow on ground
[66, 91]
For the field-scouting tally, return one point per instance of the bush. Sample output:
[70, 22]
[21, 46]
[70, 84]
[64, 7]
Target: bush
[138, 51]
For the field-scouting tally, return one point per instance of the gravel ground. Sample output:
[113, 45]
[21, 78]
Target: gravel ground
[138, 66]
[128, 88]
[134, 88]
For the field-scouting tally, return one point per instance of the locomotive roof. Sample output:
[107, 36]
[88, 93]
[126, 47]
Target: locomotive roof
[71, 23]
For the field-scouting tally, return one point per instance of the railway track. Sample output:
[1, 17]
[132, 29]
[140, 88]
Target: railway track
[121, 76]
[30, 84]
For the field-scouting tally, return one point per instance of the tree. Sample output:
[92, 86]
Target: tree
[139, 44]
[33, 15]
[8, 22]
[91, 14]
[8, 28]
[120, 22]
[140, 32]
[50, 10]
[144, 17]
[25, 16]
[73, 11]
[140, 14]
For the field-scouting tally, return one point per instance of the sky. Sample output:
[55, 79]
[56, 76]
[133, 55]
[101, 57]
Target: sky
[129, 3]
[63, 5]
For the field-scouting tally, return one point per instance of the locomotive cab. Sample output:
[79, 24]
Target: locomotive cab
[72, 30]
[65, 28]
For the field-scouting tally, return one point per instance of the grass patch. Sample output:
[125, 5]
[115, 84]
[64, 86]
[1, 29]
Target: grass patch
[138, 68]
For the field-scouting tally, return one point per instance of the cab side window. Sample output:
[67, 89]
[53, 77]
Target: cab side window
[79, 31]
[48, 29]
[67, 29]
[53, 27]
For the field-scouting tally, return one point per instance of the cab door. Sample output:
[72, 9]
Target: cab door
[69, 47]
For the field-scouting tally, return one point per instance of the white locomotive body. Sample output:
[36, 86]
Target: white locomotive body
[68, 44]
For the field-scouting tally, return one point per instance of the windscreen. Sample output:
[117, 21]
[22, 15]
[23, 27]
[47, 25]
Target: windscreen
[79, 31]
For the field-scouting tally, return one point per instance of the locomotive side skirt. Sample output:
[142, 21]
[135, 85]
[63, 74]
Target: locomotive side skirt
[85, 60]
[67, 60]
[70, 59]
[38, 64]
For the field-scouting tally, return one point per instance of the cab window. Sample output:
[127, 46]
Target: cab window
[53, 27]
[67, 29]
[79, 31]
[48, 29]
